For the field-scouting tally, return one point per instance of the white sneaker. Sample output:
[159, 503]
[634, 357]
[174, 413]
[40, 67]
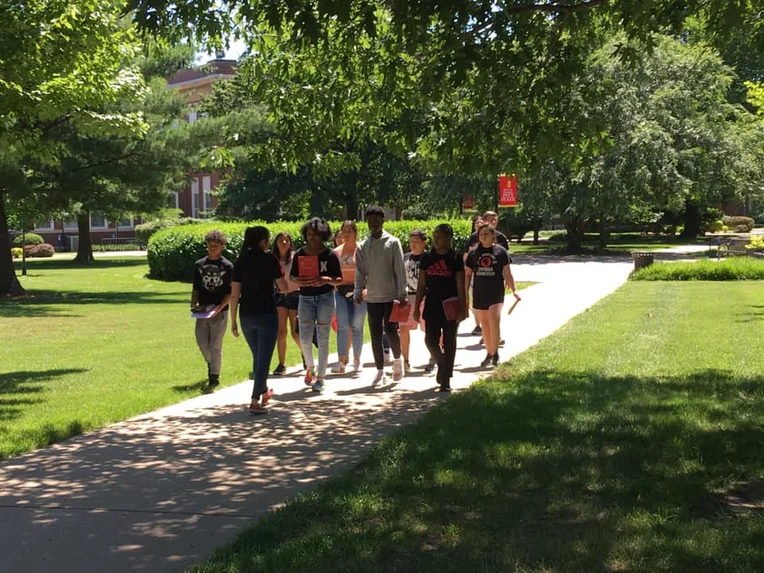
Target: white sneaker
[357, 366]
[397, 370]
[338, 368]
[379, 378]
[388, 359]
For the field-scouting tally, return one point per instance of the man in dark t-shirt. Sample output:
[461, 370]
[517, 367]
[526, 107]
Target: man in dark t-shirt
[209, 301]
[492, 218]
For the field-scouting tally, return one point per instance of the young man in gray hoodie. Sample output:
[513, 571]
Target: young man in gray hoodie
[381, 273]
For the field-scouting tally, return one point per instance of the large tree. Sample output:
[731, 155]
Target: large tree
[62, 62]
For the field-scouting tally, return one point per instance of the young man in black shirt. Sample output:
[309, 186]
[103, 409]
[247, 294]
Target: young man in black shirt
[441, 285]
[212, 290]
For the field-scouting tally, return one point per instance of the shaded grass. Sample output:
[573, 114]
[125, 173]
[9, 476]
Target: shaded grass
[731, 269]
[97, 344]
[631, 440]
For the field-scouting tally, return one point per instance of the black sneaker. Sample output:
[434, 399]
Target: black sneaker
[280, 370]
[487, 361]
[496, 359]
[214, 381]
[430, 366]
[407, 366]
[444, 388]
[477, 330]
[501, 342]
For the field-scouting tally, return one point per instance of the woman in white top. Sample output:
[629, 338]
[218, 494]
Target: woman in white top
[287, 302]
[350, 317]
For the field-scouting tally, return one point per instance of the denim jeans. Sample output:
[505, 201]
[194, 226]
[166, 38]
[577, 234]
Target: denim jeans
[261, 332]
[314, 314]
[349, 317]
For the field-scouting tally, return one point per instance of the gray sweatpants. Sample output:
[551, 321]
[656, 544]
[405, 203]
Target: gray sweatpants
[209, 337]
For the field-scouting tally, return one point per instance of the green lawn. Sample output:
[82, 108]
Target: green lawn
[631, 440]
[99, 344]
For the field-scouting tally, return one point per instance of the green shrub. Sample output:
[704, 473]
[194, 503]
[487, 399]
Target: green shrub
[733, 269]
[713, 226]
[28, 239]
[16, 252]
[144, 231]
[739, 223]
[39, 251]
[172, 251]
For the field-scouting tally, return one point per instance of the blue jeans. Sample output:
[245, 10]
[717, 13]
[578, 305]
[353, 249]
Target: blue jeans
[315, 315]
[261, 332]
[349, 317]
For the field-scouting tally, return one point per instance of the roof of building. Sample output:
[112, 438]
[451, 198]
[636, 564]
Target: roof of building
[212, 69]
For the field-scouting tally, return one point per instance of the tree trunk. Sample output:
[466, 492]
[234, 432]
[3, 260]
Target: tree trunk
[9, 282]
[84, 247]
[351, 196]
[604, 236]
[691, 221]
[575, 228]
[536, 228]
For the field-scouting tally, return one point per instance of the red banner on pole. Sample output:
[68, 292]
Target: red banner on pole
[468, 201]
[507, 191]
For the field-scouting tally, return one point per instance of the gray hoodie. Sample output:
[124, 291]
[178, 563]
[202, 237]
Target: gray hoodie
[379, 269]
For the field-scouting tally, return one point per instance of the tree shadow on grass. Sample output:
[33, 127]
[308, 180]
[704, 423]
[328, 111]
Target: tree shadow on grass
[49, 303]
[21, 384]
[554, 470]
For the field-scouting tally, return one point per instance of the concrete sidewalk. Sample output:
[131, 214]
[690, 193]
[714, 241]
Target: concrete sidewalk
[160, 492]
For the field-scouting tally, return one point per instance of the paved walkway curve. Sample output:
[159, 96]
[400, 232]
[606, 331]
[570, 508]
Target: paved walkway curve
[161, 491]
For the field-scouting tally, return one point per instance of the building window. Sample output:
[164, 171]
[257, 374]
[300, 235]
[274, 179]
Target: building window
[126, 223]
[193, 116]
[195, 197]
[207, 186]
[70, 225]
[177, 200]
[98, 222]
[44, 225]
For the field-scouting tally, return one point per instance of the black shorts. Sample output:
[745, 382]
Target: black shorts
[483, 298]
[289, 300]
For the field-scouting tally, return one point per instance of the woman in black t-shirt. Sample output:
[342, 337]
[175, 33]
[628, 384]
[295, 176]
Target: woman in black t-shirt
[316, 268]
[488, 269]
[252, 294]
[441, 284]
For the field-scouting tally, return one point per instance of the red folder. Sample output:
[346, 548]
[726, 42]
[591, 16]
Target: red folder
[401, 313]
[453, 308]
[307, 266]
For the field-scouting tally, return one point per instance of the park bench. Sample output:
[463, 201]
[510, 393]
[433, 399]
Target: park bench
[726, 246]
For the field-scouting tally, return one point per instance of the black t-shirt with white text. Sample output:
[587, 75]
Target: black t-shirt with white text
[440, 271]
[487, 264]
[212, 279]
[256, 271]
[328, 266]
[501, 239]
[411, 264]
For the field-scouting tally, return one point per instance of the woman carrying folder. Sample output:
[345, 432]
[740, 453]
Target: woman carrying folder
[488, 263]
[254, 273]
[316, 268]
[441, 284]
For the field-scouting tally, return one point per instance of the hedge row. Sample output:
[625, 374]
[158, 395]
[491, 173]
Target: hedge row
[739, 224]
[145, 231]
[731, 269]
[173, 251]
[28, 239]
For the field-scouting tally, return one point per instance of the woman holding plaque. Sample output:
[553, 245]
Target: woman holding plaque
[316, 268]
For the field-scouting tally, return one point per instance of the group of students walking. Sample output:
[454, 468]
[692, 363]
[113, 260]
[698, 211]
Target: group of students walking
[272, 289]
